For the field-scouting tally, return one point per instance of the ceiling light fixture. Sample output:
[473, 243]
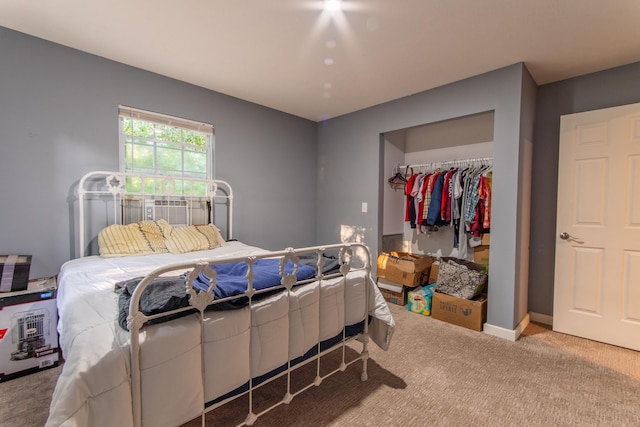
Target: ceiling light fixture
[332, 5]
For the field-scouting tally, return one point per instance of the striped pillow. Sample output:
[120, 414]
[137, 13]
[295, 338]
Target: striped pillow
[157, 233]
[194, 238]
[142, 238]
[120, 240]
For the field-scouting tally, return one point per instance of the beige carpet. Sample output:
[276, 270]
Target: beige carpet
[435, 374]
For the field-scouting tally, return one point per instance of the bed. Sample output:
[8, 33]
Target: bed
[160, 333]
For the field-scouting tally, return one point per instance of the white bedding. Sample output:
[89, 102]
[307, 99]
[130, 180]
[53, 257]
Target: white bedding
[94, 386]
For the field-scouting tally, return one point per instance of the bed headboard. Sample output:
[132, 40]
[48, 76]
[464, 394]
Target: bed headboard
[106, 198]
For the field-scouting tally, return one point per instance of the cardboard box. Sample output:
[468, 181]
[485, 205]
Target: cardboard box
[419, 300]
[486, 239]
[28, 334]
[481, 255]
[14, 272]
[404, 268]
[471, 314]
[433, 273]
[394, 293]
[481, 250]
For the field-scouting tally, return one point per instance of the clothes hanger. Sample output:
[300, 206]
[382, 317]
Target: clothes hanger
[398, 180]
[398, 176]
[407, 174]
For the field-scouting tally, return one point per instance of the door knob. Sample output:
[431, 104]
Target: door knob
[569, 238]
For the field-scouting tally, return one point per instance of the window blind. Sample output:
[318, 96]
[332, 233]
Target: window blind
[163, 119]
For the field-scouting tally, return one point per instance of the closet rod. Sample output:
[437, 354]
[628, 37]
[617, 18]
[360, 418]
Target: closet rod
[437, 164]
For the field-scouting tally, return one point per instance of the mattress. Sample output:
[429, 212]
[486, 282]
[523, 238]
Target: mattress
[94, 386]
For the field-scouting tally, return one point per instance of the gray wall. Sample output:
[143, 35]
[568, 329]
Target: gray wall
[617, 86]
[58, 110]
[350, 171]
[58, 120]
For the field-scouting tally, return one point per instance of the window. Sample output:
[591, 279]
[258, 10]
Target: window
[155, 144]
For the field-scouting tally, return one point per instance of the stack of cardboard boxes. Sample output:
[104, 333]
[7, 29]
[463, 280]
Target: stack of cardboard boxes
[410, 279]
[401, 272]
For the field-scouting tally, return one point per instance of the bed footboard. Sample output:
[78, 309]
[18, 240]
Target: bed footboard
[277, 331]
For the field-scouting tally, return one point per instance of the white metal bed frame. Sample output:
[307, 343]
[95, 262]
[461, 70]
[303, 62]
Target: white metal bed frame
[111, 184]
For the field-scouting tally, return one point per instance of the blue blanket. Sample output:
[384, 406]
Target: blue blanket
[231, 277]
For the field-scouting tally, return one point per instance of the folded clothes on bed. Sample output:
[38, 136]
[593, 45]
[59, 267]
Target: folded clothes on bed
[231, 277]
[162, 295]
[329, 264]
[169, 293]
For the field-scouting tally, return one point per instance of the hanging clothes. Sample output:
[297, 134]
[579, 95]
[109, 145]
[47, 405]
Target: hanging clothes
[485, 196]
[421, 201]
[435, 205]
[445, 206]
[410, 213]
[459, 197]
[472, 196]
[429, 195]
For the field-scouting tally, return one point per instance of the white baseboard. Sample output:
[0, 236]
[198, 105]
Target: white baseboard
[508, 334]
[545, 319]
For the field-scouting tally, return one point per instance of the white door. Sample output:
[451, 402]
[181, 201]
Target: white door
[597, 273]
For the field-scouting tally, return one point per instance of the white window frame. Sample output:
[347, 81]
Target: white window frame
[178, 122]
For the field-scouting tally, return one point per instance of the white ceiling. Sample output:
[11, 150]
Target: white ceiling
[272, 52]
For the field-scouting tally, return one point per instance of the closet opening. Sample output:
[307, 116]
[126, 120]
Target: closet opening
[458, 143]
